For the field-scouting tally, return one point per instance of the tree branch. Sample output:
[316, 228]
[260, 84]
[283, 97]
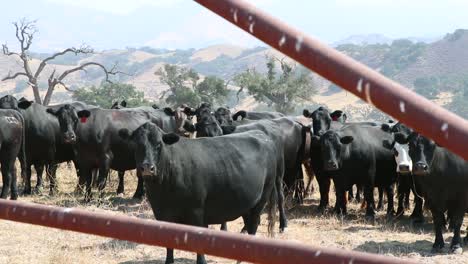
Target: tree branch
[6, 51]
[82, 67]
[84, 49]
[12, 77]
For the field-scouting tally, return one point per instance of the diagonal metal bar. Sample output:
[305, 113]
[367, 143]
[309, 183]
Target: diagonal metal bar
[431, 120]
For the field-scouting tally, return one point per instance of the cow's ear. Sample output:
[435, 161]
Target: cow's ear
[190, 127]
[51, 111]
[228, 129]
[124, 133]
[123, 103]
[346, 139]
[401, 138]
[155, 106]
[336, 115]
[84, 113]
[168, 111]
[114, 105]
[306, 113]
[385, 127]
[24, 104]
[391, 121]
[189, 111]
[386, 144]
[170, 138]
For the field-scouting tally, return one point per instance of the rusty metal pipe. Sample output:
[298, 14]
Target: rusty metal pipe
[183, 237]
[429, 119]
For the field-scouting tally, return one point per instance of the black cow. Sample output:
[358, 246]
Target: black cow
[45, 147]
[322, 121]
[191, 181]
[255, 115]
[355, 154]
[173, 121]
[12, 141]
[98, 145]
[289, 137]
[444, 178]
[223, 116]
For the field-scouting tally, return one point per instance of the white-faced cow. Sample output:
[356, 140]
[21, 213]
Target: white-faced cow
[444, 178]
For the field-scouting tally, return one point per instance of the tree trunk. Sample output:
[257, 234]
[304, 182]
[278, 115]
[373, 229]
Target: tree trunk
[37, 96]
[48, 95]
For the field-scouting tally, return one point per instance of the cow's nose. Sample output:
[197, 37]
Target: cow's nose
[147, 169]
[332, 165]
[404, 168]
[421, 166]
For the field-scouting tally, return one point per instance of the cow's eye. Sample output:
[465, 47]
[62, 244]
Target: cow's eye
[395, 152]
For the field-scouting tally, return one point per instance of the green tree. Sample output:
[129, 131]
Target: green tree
[185, 88]
[282, 91]
[427, 86]
[107, 93]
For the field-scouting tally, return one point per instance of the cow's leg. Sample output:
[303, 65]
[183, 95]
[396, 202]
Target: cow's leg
[169, 256]
[390, 202]
[27, 181]
[86, 173]
[13, 185]
[380, 203]
[438, 217]
[324, 188]
[120, 188]
[51, 174]
[351, 193]
[417, 215]
[358, 192]
[106, 160]
[407, 199]
[310, 177]
[6, 179]
[39, 170]
[140, 191]
[340, 206]
[402, 189]
[280, 197]
[369, 197]
[456, 221]
[223, 226]
[197, 219]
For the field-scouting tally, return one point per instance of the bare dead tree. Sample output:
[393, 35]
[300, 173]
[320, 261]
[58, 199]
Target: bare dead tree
[25, 31]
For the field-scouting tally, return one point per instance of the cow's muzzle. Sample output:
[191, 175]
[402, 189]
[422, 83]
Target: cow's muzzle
[331, 166]
[404, 169]
[420, 168]
[69, 138]
[147, 169]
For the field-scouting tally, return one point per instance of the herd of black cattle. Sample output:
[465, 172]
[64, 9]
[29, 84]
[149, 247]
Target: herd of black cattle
[238, 164]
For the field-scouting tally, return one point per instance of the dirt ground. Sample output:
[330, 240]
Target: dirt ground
[23, 243]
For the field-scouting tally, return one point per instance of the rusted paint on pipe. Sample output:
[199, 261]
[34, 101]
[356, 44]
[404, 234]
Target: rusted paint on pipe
[429, 119]
[183, 237]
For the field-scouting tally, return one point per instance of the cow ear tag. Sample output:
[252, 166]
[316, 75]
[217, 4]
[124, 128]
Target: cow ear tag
[83, 119]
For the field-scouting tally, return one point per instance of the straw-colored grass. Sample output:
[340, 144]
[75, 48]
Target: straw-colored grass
[23, 243]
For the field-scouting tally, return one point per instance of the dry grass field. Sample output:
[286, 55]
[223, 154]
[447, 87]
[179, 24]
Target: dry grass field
[23, 243]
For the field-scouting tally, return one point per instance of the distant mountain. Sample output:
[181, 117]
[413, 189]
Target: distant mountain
[442, 64]
[372, 39]
[369, 39]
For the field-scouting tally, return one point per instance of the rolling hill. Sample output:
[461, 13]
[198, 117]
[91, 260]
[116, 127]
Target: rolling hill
[402, 60]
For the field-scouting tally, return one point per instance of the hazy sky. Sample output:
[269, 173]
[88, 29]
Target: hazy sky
[106, 24]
